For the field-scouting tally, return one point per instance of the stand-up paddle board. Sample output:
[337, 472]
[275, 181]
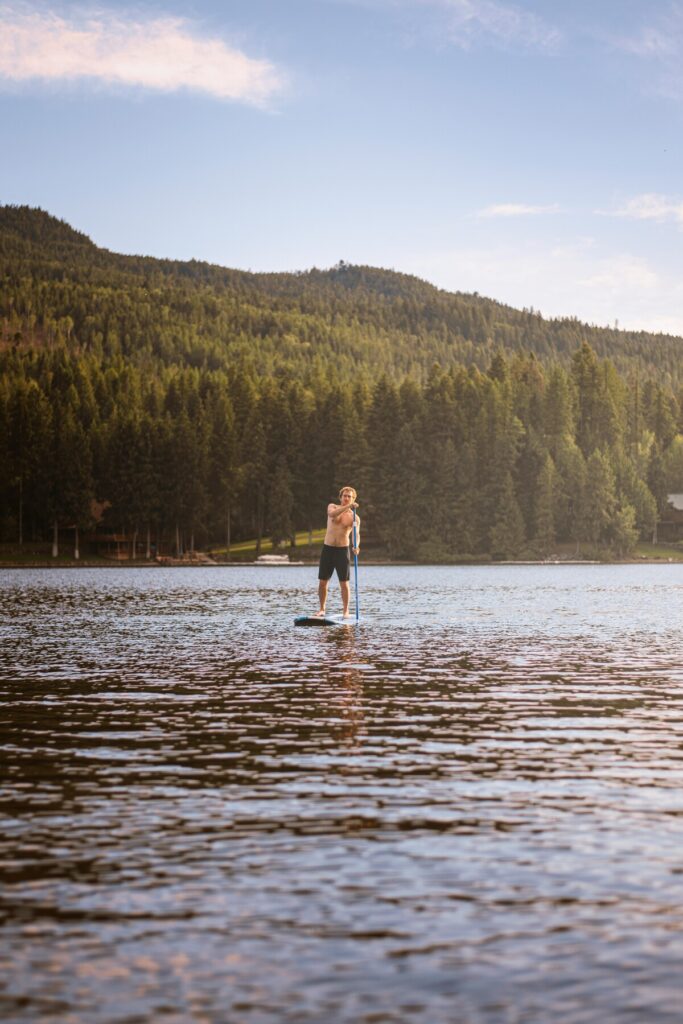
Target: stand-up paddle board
[324, 620]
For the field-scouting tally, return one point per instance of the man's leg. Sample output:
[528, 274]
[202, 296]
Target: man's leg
[345, 595]
[324, 573]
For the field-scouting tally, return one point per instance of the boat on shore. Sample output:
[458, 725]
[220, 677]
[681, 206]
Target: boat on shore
[273, 560]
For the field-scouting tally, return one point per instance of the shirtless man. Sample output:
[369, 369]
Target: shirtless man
[335, 553]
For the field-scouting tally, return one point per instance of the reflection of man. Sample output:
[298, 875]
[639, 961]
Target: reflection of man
[335, 553]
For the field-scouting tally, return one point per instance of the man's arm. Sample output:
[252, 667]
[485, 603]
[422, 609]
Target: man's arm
[335, 511]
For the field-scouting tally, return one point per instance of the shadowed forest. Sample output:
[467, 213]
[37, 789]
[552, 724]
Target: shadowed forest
[199, 405]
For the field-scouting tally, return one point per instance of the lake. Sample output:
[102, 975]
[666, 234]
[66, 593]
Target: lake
[468, 808]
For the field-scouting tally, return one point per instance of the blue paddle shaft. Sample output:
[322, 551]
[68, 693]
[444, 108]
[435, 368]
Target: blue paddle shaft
[355, 565]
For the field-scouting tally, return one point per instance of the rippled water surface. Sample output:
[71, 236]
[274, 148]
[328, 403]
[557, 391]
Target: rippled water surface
[467, 808]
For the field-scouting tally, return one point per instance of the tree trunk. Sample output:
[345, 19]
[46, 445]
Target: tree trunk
[77, 551]
[192, 543]
[21, 510]
[134, 544]
[259, 524]
[148, 552]
[227, 535]
[178, 551]
[55, 539]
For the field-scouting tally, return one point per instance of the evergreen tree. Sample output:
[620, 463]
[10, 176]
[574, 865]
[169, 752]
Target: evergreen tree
[71, 489]
[405, 526]
[281, 504]
[597, 419]
[569, 490]
[545, 505]
[624, 530]
[599, 501]
[222, 464]
[507, 532]
[255, 479]
[558, 408]
[656, 480]
[29, 437]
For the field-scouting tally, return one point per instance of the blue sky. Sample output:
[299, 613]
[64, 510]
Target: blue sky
[530, 151]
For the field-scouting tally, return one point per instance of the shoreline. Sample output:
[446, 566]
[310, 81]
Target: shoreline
[84, 564]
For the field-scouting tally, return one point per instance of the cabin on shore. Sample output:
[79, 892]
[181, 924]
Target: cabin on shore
[116, 546]
[670, 526]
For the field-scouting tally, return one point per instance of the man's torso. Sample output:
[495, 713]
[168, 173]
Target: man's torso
[339, 529]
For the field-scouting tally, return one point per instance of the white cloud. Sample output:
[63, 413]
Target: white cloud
[516, 210]
[621, 273]
[468, 21]
[581, 279]
[652, 206]
[651, 42]
[660, 45]
[161, 53]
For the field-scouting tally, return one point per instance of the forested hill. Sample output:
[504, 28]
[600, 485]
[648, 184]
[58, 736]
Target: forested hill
[58, 288]
[193, 404]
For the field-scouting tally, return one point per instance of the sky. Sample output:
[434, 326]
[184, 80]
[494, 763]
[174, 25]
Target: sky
[529, 151]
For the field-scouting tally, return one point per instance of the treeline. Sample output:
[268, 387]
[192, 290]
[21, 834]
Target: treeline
[58, 289]
[193, 405]
[513, 459]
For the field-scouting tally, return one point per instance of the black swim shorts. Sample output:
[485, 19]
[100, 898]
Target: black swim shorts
[334, 558]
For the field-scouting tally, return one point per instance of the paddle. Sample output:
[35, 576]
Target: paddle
[355, 564]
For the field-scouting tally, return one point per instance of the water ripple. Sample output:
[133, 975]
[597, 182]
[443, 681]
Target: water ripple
[467, 808]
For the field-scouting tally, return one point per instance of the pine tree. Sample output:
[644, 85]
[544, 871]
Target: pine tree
[405, 527]
[222, 464]
[507, 533]
[546, 487]
[571, 481]
[255, 480]
[281, 504]
[624, 532]
[656, 480]
[29, 439]
[71, 485]
[599, 501]
[558, 408]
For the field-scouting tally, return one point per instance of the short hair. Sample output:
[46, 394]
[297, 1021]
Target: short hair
[347, 488]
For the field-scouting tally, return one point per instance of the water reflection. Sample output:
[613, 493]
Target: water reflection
[467, 808]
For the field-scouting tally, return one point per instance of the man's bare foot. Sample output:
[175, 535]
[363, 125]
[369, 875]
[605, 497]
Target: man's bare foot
[320, 614]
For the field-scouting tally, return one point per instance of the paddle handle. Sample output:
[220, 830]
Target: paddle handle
[355, 566]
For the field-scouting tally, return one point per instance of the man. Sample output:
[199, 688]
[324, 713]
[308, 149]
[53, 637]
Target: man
[335, 553]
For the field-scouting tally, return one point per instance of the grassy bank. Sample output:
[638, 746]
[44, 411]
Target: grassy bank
[657, 553]
[40, 554]
[245, 551]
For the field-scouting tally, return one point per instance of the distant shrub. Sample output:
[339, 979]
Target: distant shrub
[434, 552]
